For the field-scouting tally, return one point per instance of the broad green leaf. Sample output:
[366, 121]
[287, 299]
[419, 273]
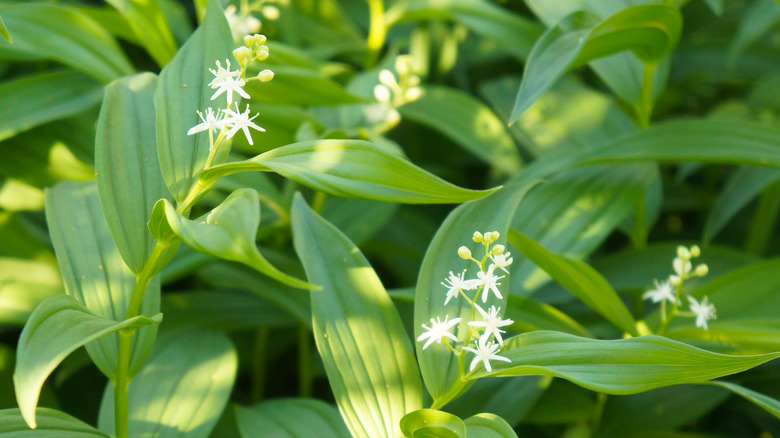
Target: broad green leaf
[767, 403]
[181, 391]
[358, 219]
[649, 31]
[579, 279]
[111, 20]
[94, 272]
[298, 86]
[42, 97]
[25, 284]
[709, 141]
[432, 423]
[760, 17]
[51, 424]
[128, 172]
[488, 426]
[561, 402]
[467, 122]
[359, 334]
[529, 315]
[148, 23]
[4, 31]
[511, 399]
[623, 366]
[65, 35]
[353, 169]
[229, 232]
[181, 91]
[745, 184]
[493, 213]
[56, 328]
[291, 418]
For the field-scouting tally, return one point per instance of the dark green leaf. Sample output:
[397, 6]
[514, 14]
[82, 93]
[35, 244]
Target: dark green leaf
[298, 86]
[767, 403]
[148, 22]
[760, 17]
[51, 424]
[291, 418]
[511, 398]
[432, 423]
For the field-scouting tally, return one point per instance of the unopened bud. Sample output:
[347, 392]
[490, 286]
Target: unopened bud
[477, 237]
[265, 75]
[403, 65]
[382, 93]
[270, 12]
[498, 249]
[464, 253]
[702, 270]
[242, 54]
[695, 251]
[386, 77]
[683, 253]
[492, 236]
[262, 53]
[412, 93]
[674, 280]
[251, 40]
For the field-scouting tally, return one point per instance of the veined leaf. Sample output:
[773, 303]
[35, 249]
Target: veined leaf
[181, 391]
[298, 86]
[128, 172]
[350, 168]
[65, 35]
[493, 213]
[56, 328]
[39, 98]
[51, 424]
[94, 272]
[229, 232]
[291, 418]
[580, 279]
[432, 423]
[359, 334]
[488, 426]
[181, 91]
[467, 122]
[148, 23]
[623, 366]
[649, 31]
[765, 402]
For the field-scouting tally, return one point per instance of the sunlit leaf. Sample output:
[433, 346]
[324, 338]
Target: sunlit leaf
[432, 423]
[4, 31]
[488, 426]
[291, 418]
[51, 424]
[148, 22]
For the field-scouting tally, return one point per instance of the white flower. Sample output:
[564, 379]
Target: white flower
[704, 311]
[456, 283]
[226, 80]
[663, 291]
[502, 260]
[438, 330]
[491, 323]
[212, 122]
[485, 353]
[490, 281]
[682, 267]
[241, 25]
[242, 121]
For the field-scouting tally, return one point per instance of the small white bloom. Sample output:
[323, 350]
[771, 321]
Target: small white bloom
[704, 311]
[485, 353]
[222, 73]
[491, 323]
[237, 120]
[438, 330]
[456, 283]
[490, 282]
[682, 267]
[663, 291]
[502, 260]
[388, 78]
[382, 93]
[212, 122]
[226, 80]
[241, 25]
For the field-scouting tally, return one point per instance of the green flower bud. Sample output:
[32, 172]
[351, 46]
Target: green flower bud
[464, 253]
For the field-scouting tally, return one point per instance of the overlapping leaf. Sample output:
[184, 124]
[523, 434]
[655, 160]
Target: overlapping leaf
[51, 424]
[148, 23]
[291, 418]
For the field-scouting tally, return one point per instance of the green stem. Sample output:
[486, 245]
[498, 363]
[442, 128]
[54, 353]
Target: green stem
[644, 108]
[377, 31]
[673, 311]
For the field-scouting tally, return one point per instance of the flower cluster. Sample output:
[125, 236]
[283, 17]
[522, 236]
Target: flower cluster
[226, 122]
[392, 92]
[670, 290]
[488, 325]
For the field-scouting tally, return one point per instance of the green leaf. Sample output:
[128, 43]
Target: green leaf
[510, 398]
[298, 86]
[488, 426]
[529, 315]
[291, 418]
[623, 366]
[181, 91]
[351, 168]
[359, 334]
[425, 423]
[56, 328]
[466, 121]
[4, 32]
[65, 35]
[716, 6]
[42, 97]
[128, 172]
[229, 232]
[649, 31]
[51, 424]
[579, 279]
[94, 272]
[760, 17]
[765, 402]
[25, 284]
[493, 213]
[148, 23]
[181, 391]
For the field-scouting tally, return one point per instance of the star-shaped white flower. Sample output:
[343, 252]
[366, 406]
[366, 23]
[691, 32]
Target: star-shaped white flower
[456, 283]
[211, 122]
[485, 352]
[663, 291]
[502, 260]
[491, 321]
[237, 120]
[438, 330]
[490, 282]
[704, 311]
[227, 80]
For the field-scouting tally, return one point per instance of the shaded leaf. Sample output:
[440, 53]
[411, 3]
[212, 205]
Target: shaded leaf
[148, 23]
[298, 86]
[51, 424]
[766, 403]
[291, 418]
[511, 399]
[760, 17]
